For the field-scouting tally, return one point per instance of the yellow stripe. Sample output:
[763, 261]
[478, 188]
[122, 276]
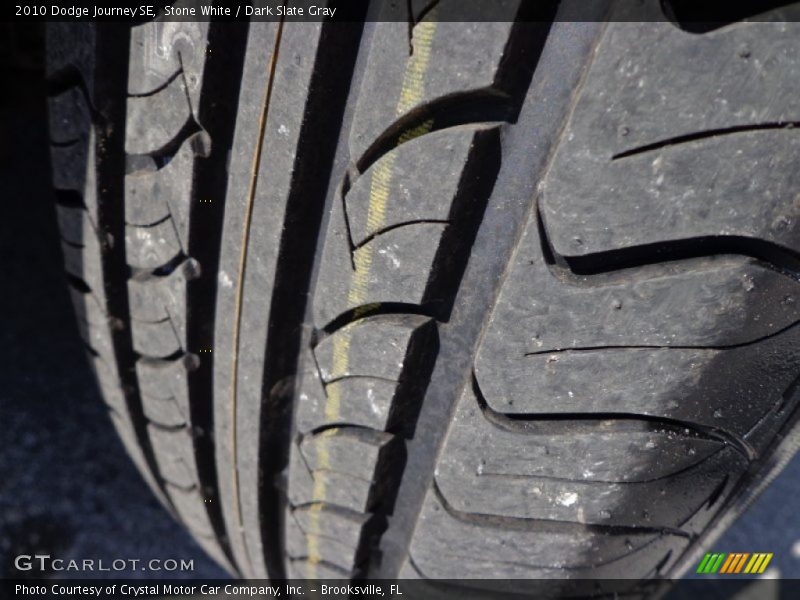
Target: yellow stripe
[763, 565]
[411, 92]
[751, 564]
[758, 562]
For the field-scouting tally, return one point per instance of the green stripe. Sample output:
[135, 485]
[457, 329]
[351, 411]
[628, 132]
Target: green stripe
[701, 568]
[711, 562]
[718, 564]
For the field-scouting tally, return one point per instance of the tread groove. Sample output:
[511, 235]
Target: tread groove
[576, 269]
[524, 422]
[703, 135]
[524, 523]
[316, 151]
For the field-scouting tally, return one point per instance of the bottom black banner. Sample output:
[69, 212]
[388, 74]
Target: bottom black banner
[408, 589]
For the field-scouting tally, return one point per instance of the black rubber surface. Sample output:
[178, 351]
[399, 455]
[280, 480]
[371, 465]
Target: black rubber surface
[397, 299]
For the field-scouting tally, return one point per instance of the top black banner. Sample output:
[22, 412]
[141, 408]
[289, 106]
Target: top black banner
[692, 15]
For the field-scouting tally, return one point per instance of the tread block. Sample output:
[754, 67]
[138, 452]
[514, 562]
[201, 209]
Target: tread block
[688, 385]
[370, 347]
[685, 177]
[154, 121]
[712, 302]
[159, 50]
[71, 46]
[126, 433]
[151, 247]
[341, 489]
[75, 224]
[153, 196]
[513, 549]
[447, 58]
[611, 450]
[155, 340]
[166, 380]
[365, 402]
[97, 337]
[108, 381]
[84, 261]
[296, 542]
[146, 302]
[416, 181]
[69, 165]
[701, 189]
[70, 117]
[174, 452]
[88, 307]
[711, 184]
[92, 247]
[329, 549]
[393, 267]
[331, 522]
[191, 506]
[156, 298]
[585, 472]
[167, 412]
[348, 450]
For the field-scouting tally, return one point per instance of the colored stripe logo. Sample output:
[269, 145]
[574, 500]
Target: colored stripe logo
[734, 563]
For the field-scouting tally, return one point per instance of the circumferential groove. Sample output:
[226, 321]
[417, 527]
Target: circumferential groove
[329, 86]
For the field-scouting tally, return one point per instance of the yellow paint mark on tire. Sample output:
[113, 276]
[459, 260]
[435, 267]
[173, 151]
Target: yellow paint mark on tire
[411, 93]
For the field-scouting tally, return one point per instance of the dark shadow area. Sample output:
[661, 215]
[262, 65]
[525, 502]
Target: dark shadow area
[67, 487]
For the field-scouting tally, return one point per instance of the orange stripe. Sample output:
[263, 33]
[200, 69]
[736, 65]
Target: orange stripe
[731, 559]
[736, 563]
[741, 562]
